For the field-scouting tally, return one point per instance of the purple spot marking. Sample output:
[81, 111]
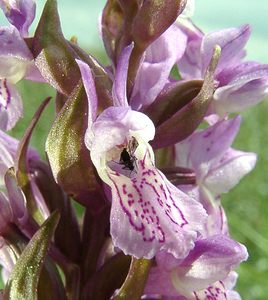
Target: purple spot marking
[4, 93]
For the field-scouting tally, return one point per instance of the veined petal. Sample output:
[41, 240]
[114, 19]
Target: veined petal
[15, 56]
[206, 269]
[11, 107]
[210, 144]
[149, 214]
[20, 13]
[230, 169]
[246, 88]
[232, 42]
[154, 71]
[211, 260]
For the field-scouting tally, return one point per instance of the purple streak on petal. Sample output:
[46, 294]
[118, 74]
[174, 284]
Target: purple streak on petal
[20, 13]
[228, 74]
[120, 80]
[154, 71]
[232, 41]
[248, 86]
[10, 105]
[5, 96]
[149, 214]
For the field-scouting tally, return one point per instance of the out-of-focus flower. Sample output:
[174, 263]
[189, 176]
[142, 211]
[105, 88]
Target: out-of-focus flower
[148, 213]
[218, 167]
[239, 84]
[16, 60]
[20, 13]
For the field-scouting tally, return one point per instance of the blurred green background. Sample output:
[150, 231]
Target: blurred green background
[247, 204]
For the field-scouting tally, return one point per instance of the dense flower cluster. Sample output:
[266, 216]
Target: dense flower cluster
[144, 144]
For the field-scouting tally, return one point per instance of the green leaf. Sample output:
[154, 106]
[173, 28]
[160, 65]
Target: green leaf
[23, 281]
[135, 282]
[54, 57]
[183, 123]
[68, 156]
[67, 234]
[21, 165]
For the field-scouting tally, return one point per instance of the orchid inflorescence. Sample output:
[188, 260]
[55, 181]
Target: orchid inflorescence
[143, 145]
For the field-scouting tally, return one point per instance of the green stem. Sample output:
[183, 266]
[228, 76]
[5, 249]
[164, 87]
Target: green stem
[132, 288]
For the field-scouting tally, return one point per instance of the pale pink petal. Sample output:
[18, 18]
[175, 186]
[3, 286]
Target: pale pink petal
[154, 71]
[120, 80]
[149, 214]
[232, 167]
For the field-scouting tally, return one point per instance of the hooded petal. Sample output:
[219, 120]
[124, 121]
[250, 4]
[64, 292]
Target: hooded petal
[154, 71]
[20, 13]
[114, 127]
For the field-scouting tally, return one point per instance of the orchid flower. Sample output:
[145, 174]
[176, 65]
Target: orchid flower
[218, 167]
[16, 60]
[204, 274]
[239, 84]
[148, 213]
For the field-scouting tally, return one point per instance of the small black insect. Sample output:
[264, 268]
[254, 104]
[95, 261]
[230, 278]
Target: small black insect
[127, 157]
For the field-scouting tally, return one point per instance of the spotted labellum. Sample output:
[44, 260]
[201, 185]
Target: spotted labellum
[127, 203]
